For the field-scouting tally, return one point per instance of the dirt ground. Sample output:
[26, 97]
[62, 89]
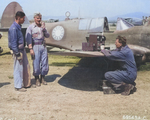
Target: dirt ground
[71, 94]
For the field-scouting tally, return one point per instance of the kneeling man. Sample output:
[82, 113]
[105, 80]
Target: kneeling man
[125, 76]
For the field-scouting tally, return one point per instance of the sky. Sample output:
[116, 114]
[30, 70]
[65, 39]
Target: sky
[87, 8]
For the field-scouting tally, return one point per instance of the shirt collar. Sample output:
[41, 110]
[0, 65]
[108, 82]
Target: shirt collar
[121, 48]
[17, 25]
[35, 25]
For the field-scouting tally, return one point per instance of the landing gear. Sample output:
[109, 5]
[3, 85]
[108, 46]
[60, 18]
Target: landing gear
[139, 59]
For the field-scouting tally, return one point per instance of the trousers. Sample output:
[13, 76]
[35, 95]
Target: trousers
[40, 63]
[22, 76]
[118, 77]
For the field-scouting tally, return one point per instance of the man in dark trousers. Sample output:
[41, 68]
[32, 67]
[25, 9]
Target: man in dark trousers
[125, 76]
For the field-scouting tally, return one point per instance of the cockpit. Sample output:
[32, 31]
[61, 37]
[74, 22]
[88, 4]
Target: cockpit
[94, 25]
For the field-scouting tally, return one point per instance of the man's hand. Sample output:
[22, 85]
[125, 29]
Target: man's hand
[43, 25]
[19, 57]
[11, 52]
[31, 51]
[32, 54]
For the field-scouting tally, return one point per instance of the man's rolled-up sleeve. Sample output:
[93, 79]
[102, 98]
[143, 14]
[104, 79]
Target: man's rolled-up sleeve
[28, 35]
[46, 34]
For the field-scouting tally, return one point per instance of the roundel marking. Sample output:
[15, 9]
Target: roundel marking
[58, 33]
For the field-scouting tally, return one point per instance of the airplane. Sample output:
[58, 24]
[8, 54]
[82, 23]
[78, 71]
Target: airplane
[85, 37]
[134, 21]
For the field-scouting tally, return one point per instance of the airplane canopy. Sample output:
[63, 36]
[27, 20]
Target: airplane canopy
[94, 24]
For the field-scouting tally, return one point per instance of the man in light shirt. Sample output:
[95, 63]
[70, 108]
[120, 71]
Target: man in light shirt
[35, 35]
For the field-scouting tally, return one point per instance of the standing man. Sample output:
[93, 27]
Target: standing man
[16, 44]
[125, 76]
[35, 40]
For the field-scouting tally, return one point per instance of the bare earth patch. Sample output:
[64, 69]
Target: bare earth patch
[71, 94]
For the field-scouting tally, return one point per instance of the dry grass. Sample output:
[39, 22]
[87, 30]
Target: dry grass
[71, 93]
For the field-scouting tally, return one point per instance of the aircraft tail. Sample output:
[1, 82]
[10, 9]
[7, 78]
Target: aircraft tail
[8, 16]
[147, 22]
[123, 25]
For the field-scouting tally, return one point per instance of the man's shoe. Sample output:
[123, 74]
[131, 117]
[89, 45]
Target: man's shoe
[37, 81]
[100, 86]
[107, 88]
[33, 86]
[127, 89]
[42, 80]
[21, 89]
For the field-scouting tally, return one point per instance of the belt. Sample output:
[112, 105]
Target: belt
[38, 43]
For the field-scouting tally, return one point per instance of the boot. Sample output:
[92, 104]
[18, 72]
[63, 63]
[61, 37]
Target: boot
[21, 89]
[107, 88]
[37, 81]
[127, 89]
[42, 80]
[33, 86]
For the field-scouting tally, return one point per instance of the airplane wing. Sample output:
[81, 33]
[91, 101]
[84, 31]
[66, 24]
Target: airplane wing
[137, 50]
[79, 53]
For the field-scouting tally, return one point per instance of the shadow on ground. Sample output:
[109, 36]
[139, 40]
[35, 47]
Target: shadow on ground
[51, 78]
[86, 76]
[6, 53]
[48, 78]
[5, 83]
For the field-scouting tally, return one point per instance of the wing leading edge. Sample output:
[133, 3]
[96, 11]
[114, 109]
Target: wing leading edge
[137, 50]
[79, 53]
